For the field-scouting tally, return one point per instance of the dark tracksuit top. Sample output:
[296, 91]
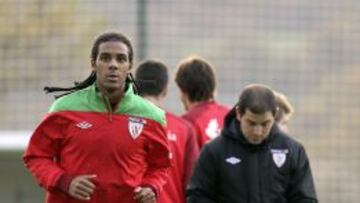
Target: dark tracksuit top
[231, 170]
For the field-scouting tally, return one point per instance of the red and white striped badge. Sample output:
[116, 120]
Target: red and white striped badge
[136, 126]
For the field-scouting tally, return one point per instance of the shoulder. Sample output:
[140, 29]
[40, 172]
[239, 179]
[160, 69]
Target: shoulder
[180, 125]
[170, 117]
[285, 141]
[218, 144]
[205, 111]
[221, 106]
[140, 107]
[189, 116]
[289, 139]
[213, 151]
[196, 115]
[74, 101]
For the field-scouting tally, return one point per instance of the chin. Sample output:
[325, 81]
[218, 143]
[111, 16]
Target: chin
[111, 88]
[255, 142]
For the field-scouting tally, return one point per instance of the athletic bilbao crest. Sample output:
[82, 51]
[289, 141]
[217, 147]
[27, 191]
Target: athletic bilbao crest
[136, 126]
[279, 156]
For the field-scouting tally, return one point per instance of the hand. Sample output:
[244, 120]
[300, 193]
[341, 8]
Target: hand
[81, 187]
[144, 195]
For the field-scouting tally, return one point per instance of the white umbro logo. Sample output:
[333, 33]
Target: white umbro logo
[84, 125]
[233, 160]
[171, 136]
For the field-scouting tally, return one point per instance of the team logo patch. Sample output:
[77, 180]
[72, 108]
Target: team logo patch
[279, 156]
[136, 126]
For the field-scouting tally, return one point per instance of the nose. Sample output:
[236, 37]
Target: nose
[113, 65]
[257, 130]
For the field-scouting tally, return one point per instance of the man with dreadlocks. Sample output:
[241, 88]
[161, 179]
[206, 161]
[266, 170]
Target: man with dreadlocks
[100, 142]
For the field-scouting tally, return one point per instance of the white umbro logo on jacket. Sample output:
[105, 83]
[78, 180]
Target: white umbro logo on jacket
[84, 125]
[233, 160]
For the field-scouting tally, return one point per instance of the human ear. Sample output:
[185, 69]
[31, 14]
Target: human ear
[93, 65]
[238, 115]
[164, 92]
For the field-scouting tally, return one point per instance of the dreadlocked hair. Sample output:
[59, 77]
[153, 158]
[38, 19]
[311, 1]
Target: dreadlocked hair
[86, 83]
[130, 79]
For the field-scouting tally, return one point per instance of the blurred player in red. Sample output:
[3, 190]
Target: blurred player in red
[152, 79]
[195, 78]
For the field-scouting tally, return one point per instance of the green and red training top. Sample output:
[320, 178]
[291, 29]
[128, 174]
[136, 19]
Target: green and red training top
[124, 148]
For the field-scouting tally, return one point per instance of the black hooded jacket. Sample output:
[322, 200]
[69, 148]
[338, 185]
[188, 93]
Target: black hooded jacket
[231, 170]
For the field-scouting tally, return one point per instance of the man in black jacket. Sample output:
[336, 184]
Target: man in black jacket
[252, 161]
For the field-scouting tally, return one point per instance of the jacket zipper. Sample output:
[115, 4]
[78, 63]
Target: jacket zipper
[108, 107]
[260, 175]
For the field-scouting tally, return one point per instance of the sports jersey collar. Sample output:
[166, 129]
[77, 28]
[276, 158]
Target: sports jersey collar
[202, 104]
[124, 102]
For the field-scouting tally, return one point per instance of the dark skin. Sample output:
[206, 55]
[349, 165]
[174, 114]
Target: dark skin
[112, 65]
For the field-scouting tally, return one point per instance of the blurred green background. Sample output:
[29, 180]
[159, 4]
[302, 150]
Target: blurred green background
[306, 49]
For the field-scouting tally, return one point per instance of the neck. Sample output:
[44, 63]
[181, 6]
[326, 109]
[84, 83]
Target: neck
[157, 100]
[114, 96]
[190, 105]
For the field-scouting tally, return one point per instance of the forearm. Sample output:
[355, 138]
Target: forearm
[155, 179]
[45, 171]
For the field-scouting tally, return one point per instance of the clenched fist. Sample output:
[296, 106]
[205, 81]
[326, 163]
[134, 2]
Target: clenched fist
[144, 195]
[81, 187]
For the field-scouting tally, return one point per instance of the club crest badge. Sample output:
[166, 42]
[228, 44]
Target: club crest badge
[279, 156]
[136, 126]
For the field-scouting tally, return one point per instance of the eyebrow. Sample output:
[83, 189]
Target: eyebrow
[108, 53]
[265, 122]
[118, 55]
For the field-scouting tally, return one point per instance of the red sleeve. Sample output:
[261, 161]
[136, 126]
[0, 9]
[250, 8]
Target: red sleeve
[42, 151]
[191, 155]
[158, 159]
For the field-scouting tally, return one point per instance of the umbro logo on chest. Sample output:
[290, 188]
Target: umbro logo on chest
[84, 125]
[233, 160]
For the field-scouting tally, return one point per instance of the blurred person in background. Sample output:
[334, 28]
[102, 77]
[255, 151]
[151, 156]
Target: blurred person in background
[284, 111]
[196, 80]
[152, 79]
[100, 142]
[252, 160]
